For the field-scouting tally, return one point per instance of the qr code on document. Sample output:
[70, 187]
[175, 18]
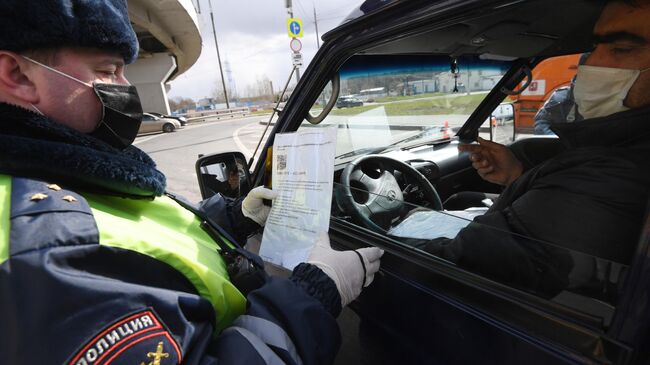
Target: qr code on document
[282, 162]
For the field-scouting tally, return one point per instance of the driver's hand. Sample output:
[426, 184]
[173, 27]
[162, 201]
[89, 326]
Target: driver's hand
[494, 162]
[253, 206]
[350, 270]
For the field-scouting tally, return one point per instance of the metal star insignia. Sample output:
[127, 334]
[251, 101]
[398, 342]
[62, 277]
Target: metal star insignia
[38, 197]
[69, 198]
[54, 187]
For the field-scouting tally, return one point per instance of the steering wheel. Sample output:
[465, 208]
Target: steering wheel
[384, 199]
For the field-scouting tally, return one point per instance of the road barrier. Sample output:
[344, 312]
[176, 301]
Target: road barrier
[213, 115]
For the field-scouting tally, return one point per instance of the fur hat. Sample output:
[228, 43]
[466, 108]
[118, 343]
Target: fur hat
[35, 24]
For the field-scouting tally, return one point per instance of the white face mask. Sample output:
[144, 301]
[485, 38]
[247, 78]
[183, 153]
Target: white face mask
[600, 91]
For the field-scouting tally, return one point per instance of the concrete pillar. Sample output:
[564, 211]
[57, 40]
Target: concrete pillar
[149, 75]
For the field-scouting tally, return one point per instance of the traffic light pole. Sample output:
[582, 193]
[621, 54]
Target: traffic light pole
[290, 10]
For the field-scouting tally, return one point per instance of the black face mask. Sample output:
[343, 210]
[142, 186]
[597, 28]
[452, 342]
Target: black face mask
[121, 114]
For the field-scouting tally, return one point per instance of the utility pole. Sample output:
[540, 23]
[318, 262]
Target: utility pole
[216, 44]
[316, 24]
[289, 6]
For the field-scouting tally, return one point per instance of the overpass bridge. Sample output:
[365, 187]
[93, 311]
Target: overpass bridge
[170, 43]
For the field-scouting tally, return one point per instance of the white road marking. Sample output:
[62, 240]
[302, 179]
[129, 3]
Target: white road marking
[190, 126]
[145, 139]
[248, 153]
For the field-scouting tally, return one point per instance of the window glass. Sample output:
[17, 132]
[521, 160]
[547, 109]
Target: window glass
[500, 125]
[549, 97]
[546, 101]
[386, 101]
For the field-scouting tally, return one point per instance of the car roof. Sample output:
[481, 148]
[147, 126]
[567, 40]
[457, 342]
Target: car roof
[367, 7]
[506, 28]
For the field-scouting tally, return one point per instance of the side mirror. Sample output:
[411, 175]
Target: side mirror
[223, 173]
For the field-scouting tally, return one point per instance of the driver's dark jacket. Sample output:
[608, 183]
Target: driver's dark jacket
[590, 198]
[63, 293]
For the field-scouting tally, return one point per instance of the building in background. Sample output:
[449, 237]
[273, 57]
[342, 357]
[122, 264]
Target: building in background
[170, 43]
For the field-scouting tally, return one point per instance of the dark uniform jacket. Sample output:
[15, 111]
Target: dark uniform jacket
[590, 198]
[559, 108]
[67, 299]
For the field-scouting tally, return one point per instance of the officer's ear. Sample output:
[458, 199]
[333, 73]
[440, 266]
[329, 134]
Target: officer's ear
[16, 79]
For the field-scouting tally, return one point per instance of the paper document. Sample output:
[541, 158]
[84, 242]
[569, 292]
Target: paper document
[303, 169]
[432, 224]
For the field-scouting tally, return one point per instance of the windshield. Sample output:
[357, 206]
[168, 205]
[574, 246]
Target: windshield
[392, 101]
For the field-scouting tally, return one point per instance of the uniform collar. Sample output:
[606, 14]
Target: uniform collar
[33, 146]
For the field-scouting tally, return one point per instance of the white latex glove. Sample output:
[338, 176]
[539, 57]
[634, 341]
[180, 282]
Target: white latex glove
[345, 267]
[253, 207]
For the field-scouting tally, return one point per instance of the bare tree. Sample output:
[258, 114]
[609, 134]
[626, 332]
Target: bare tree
[180, 102]
[263, 86]
[217, 93]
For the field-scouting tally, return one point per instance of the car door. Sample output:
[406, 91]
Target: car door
[437, 308]
[424, 308]
[149, 124]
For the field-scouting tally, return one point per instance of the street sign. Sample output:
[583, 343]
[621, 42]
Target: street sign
[297, 58]
[295, 44]
[294, 27]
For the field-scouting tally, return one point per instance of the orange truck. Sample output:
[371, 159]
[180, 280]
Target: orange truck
[548, 76]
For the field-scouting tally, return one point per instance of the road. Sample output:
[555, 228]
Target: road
[176, 153]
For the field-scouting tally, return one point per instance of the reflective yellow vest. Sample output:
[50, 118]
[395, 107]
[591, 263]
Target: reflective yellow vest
[158, 228]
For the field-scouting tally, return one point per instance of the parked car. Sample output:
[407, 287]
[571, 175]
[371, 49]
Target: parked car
[422, 309]
[152, 124]
[504, 112]
[348, 102]
[181, 120]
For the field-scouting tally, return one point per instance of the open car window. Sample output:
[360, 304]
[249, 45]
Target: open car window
[395, 105]
[567, 277]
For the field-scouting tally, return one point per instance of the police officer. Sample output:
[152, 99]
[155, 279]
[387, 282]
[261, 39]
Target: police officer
[560, 107]
[231, 186]
[97, 266]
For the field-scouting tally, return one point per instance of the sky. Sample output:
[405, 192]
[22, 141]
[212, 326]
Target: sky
[253, 38]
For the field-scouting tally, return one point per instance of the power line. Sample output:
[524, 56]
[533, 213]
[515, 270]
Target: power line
[304, 13]
[254, 54]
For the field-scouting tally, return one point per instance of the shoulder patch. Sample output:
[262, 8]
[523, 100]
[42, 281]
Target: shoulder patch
[139, 338]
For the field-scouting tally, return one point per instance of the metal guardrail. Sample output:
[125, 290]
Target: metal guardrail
[213, 115]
